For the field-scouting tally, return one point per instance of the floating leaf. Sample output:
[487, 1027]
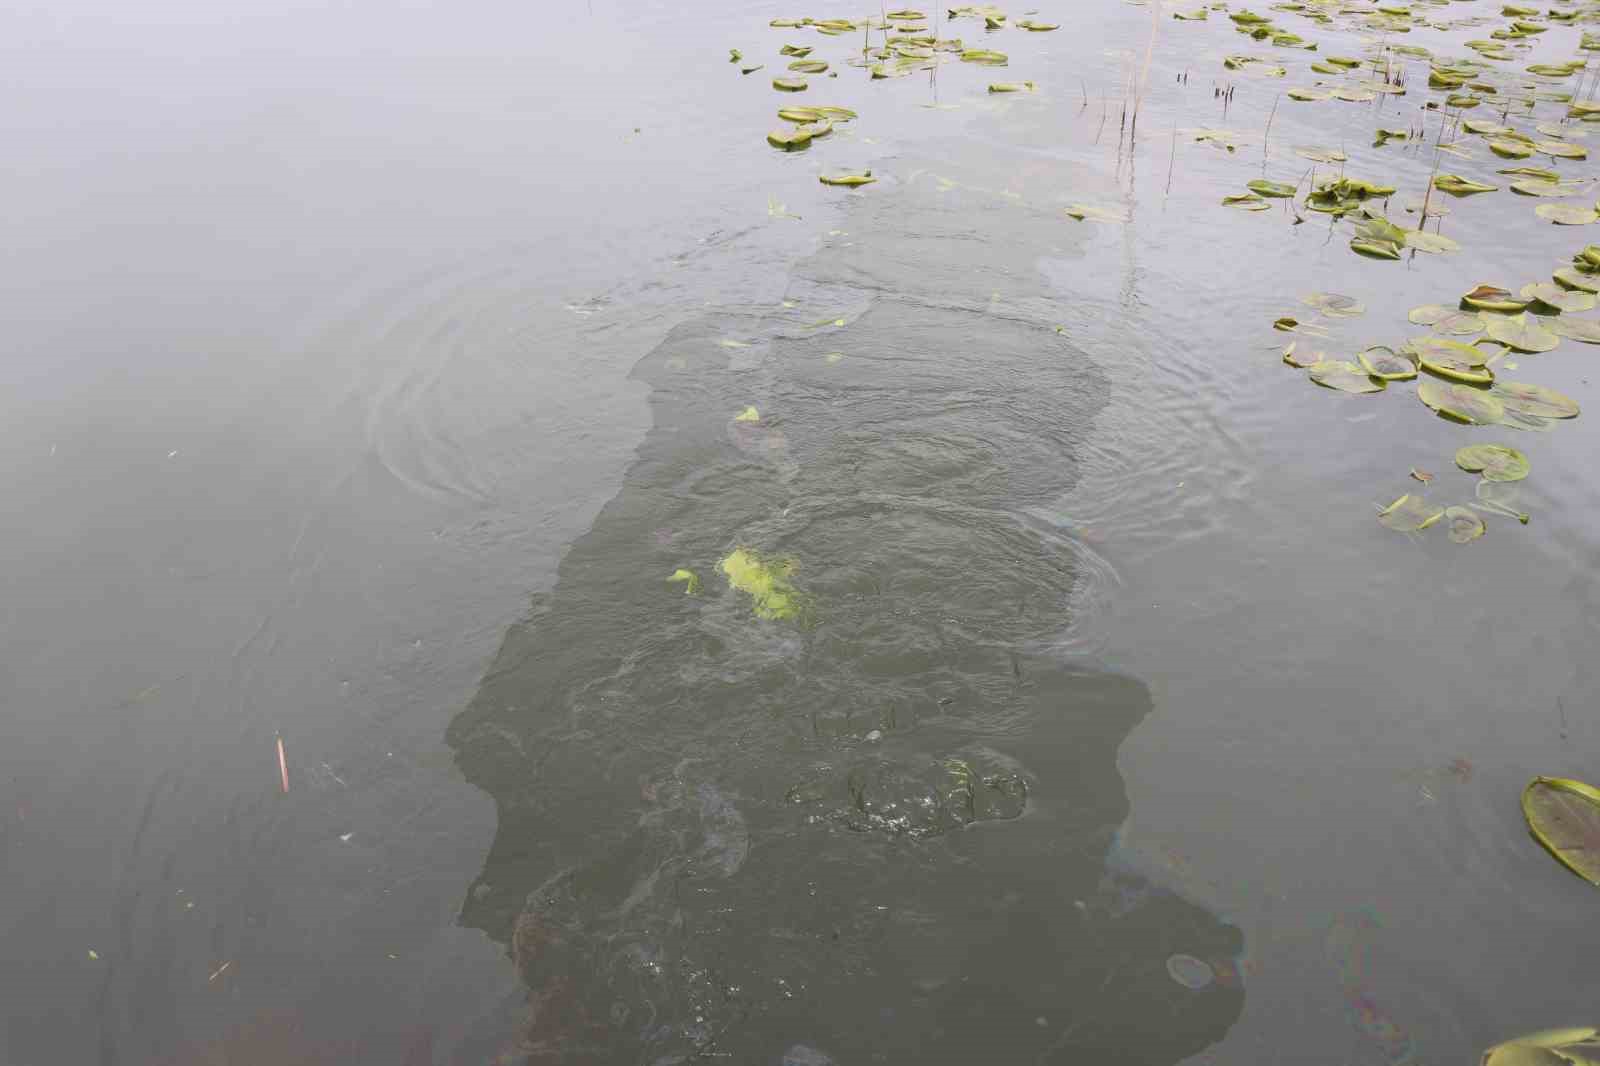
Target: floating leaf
[984, 56]
[1375, 249]
[1468, 369]
[1087, 213]
[789, 85]
[1386, 364]
[765, 581]
[1333, 304]
[791, 139]
[1302, 359]
[1428, 314]
[1496, 462]
[1460, 402]
[1038, 27]
[849, 180]
[808, 66]
[1430, 242]
[1567, 214]
[1320, 155]
[1262, 187]
[1575, 279]
[734, 55]
[1011, 87]
[1547, 296]
[1344, 376]
[1521, 332]
[1536, 400]
[749, 414]
[1578, 329]
[1541, 187]
[1511, 149]
[1246, 202]
[1553, 1047]
[797, 51]
[1456, 185]
[1563, 150]
[1493, 298]
[688, 578]
[1421, 475]
[1464, 525]
[1410, 514]
[1564, 816]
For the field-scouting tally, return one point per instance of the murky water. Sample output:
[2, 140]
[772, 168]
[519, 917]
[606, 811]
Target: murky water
[1112, 724]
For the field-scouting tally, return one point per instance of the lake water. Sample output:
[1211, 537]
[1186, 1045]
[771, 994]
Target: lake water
[370, 368]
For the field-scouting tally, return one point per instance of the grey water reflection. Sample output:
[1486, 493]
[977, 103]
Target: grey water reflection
[879, 830]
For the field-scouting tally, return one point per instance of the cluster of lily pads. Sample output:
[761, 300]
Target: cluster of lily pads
[904, 45]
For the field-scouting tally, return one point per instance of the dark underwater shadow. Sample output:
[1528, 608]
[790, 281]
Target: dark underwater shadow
[874, 830]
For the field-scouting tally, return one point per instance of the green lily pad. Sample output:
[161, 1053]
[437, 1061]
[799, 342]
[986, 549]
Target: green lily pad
[792, 139]
[1090, 213]
[1521, 332]
[808, 66]
[984, 56]
[1344, 376]
[1428, 314]
[1011, 87]
[1552, 1047]
[1386, 364]
[1456, 185]
[797, 51]
[1333, 304]
[688, 578]
[1511, 149]
[1430, 242]
[1496, 462]
[1550, 297]
[1456, 368]
[1246, 202]
[1536, 400]
[1537, 173]
[1562, 150]
[1463, 523]
[1493, 298]
[790, 85]
[1564, 816]
[1567, 214]
[1262, 187]
[1320, 155]
[1410, 514]
[1303, 359]
[1485, 128]
[1374, 249]
[847, 180]
[766, 582]
[1586, 330]
[1463, 403]
[1576, 279]
[1540, 187]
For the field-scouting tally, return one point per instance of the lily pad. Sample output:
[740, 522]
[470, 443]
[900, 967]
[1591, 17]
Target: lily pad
[984, 56]
[1246, 202]
[847, 180]
[1463, 403]
[809, 66]
[1435, 243]
[1567, 214]
[1344, 376]
[1563, 150]
[1410, 514]
[1496, 462]
[1456, 185]
[1386, 364]
[790, 85]
[1536, 400]
[1428, 314]
[1303, 359]
[1550, 297]
[1455, 367]
[1584, 330]
[1463, 523]
[1521, 332]
[1320, 155]
[791, 139]
[1262, 187]
[1511, 149]
[1333, 304]
[749, 414]
[1375, 249]
[1090, 213]
[1553, 1047]
[1011, 87]
[1564, 816]
[1493, 298]
[1576, 279]
[766, 582]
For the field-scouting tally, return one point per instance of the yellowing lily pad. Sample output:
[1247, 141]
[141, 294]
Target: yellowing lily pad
[1386, 364]
[1521, 332]
[847, 180]
[1567, 214]
[1493, 298]
[1584, 330]
[1410, 514]
[1536, 400]
[1344, 376]
[749, 414]
[1456, 185]
[789, 85]
[1262, 187]
[1564, 816]
[1333, 304]
[1463, 403]
[1548, 297]
[1496, 462]
[1552, 1047]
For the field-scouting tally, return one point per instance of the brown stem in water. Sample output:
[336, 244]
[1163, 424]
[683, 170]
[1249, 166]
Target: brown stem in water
[1268, 135]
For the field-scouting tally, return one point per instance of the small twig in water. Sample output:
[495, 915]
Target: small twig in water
[1268, 135]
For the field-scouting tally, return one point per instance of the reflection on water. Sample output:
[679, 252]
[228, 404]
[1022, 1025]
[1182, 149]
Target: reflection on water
[879, 829]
